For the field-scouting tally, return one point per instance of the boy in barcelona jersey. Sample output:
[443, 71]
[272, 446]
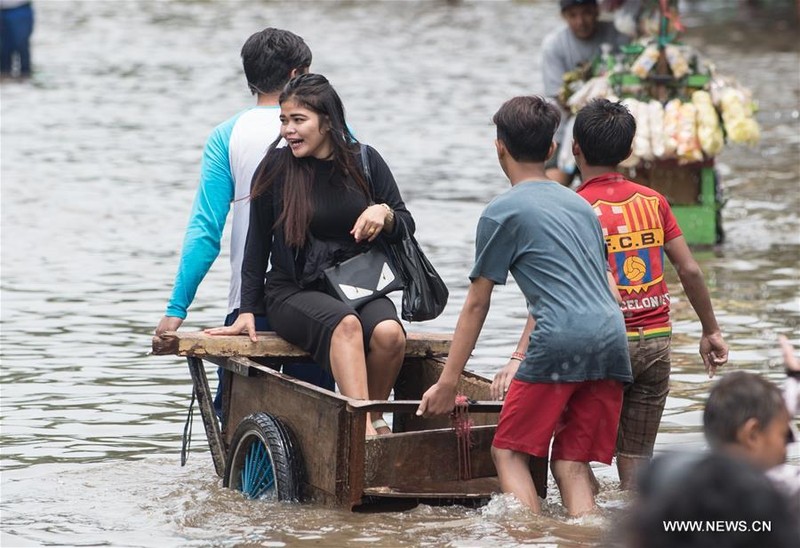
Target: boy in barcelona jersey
[640, 229]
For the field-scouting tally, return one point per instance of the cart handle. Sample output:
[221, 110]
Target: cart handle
[410, 406]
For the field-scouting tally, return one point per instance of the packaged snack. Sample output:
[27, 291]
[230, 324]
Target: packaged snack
[641, 140]
[633, 159]
[688, 149]
[672, 112]
[709, 131]
[656, 115]
[737, 116]
[594, 88]
[676, 60]
[645, 62]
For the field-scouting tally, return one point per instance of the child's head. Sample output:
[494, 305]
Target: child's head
[745, 414]
[525, 127]
[273, 56]
[603, 132]
[676, 488]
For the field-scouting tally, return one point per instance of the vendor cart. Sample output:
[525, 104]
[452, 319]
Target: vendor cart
[685, 113]
[691, 188]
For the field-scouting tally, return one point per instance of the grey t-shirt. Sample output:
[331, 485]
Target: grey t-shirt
[550, 240]
[562, 52]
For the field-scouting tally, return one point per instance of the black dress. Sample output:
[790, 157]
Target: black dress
[296, 305]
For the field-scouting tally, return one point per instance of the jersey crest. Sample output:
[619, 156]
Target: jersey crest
[634, 238]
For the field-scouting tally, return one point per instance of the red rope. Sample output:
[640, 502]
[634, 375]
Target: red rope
[462, 424]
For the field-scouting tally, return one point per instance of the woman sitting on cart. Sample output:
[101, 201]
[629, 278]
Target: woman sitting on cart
[309, 198]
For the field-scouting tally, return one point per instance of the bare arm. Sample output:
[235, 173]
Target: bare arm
[791, 392]
[439, 399]
[612, 284]
[713, 348]
[502, 380]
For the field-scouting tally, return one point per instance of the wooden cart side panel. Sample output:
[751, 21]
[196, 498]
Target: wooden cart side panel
[417, 375]
[352, 460]
[418, 458]
[319, 422]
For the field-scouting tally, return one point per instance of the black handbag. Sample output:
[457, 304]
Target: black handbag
[362, 278]
[424, 292]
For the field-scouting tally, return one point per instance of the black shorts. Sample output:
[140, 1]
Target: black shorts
[308, 317]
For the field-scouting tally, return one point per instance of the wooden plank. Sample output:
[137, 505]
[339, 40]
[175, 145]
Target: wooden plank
[457, 491]
[410, 406]
[409, 460]
[269, 344]
[352, 462]
[417, 375]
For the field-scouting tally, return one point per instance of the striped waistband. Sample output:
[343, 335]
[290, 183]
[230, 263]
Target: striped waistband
[651, 333]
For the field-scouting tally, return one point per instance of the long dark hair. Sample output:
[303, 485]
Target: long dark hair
[314, 92]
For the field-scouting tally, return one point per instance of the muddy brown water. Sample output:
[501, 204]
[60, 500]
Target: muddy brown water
[100, 155]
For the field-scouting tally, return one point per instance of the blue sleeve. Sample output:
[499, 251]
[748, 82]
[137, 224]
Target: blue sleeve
[495, 250]
[201, 244]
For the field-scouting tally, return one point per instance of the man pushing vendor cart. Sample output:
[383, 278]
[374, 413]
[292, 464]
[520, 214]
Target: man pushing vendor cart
[685, 111]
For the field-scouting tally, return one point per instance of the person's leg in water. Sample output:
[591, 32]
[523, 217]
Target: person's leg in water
[531, 412]
[575, 486]
[6, 44]
[642, 405]
[17, 26]
[514, 473]
[587, 432]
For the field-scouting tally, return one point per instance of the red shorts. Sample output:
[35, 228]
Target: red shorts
[583, 417]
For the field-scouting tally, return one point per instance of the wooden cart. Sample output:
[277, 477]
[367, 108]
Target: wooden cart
[292, 440]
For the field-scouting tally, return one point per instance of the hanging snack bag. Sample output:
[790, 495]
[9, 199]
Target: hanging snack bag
[641, 140]
[645, 62]
[709, 131]
[737, 115]
[676, 60]
[672, 113]
[633, 107]
[688, 146]
[655, 112]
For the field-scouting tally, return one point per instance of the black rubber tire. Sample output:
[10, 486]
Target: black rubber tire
[282, 452]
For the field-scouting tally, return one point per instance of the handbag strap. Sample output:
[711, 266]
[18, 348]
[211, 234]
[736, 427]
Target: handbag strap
[366, 170]
[368, 175]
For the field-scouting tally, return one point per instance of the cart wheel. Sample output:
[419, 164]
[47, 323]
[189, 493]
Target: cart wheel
[263, 461]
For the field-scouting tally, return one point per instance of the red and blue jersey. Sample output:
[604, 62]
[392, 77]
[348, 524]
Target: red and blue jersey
[637, 221]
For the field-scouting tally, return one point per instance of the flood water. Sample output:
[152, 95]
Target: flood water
[100, 157]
